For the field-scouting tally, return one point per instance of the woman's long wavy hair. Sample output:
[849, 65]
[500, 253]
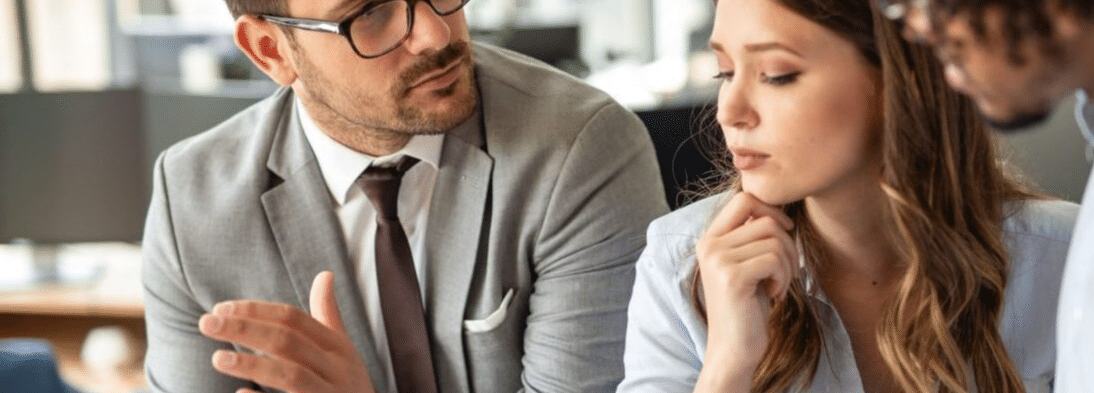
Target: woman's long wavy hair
[945, 193]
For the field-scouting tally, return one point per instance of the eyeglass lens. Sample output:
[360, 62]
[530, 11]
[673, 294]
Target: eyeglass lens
[893, 10]
[899, 9]
[384, 26]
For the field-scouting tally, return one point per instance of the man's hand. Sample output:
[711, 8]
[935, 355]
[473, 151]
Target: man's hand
[298, 353]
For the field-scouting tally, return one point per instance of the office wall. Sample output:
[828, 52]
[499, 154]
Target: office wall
[71, 166]
[171, 116]
[1053, 155]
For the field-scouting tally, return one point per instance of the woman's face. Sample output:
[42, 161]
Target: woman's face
[799, 106]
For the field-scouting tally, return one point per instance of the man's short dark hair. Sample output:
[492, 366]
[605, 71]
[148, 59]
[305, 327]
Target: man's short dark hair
[1021, 18]
[257, 7]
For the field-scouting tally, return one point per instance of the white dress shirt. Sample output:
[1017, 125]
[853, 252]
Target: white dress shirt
[1075, 364]
[341, 166]
[666, 339]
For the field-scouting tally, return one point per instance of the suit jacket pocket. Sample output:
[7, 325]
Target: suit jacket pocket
[494, 345]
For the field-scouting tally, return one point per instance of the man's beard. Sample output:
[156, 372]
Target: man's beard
[422, 122]
[1019, 122]
[407, 118]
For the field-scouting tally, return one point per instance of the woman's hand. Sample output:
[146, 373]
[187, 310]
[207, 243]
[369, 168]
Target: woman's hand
[746, 259]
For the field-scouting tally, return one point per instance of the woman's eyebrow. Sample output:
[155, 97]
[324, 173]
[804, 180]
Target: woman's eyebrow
[758, 47]
[767, 46]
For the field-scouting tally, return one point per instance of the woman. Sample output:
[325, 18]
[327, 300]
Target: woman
[869, 240]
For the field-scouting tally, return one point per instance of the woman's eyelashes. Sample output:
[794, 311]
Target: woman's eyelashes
[775, 80]
[781, 79]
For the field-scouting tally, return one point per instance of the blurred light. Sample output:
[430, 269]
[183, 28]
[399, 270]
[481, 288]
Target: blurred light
[11, 73]
[70, 44]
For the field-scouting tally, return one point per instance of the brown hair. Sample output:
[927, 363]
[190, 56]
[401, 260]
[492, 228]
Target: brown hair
[257, 7]
[943, 319]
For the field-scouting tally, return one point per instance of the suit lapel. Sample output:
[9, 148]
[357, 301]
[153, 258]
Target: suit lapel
[453, 245]
[301, 217]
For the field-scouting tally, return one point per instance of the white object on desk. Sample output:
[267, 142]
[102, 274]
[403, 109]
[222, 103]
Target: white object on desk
[107, 350]
[109, 267]
[16, 269]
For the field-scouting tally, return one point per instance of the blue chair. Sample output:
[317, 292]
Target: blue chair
[28, 366]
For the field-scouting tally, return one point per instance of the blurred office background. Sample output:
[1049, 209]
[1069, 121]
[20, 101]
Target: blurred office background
[92, 90]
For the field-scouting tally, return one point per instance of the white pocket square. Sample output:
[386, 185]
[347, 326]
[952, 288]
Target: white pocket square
[494, 320]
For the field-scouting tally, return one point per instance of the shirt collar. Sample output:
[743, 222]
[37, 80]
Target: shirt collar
[341, 165]
[1084, 113]
[808, 276]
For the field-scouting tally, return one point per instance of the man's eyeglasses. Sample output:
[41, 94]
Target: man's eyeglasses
[897, 10]
[377, 28]
[914, 16]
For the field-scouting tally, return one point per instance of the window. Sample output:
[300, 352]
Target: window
[70, 44]
[11, 74]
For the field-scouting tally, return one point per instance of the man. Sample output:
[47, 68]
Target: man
[480, 213]
[1018, 59]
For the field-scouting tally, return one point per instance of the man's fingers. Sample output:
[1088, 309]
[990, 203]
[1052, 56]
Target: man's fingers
[740, 209]
[268, 371]
[279, 314]
[323, 305]
[277, 340]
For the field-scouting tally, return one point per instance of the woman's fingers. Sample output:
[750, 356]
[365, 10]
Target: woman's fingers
[758, 241]
[768, 272]
[741, 209]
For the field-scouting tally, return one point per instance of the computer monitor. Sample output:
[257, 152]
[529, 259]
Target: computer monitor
[71, 167]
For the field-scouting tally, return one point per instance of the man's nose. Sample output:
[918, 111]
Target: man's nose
[430, 31]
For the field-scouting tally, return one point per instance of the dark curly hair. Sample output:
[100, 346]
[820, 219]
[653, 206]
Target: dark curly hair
[1022, 19]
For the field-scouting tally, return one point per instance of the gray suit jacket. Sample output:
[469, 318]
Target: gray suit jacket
[550, 201]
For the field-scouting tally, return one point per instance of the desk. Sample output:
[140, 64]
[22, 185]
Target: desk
[65, 315]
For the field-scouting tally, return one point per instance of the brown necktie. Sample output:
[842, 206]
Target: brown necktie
[400, 295]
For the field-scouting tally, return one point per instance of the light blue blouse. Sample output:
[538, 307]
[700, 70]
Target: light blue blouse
[666, 340]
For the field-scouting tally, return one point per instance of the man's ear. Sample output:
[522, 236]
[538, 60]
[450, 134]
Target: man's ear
[268, 48]
[1067, 22]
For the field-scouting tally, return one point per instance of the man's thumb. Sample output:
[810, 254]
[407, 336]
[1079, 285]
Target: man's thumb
[323, 306]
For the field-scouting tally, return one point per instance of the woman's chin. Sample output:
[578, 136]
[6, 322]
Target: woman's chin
[770, 195]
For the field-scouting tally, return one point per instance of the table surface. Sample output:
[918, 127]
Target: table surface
[65, 314]
[56, 299]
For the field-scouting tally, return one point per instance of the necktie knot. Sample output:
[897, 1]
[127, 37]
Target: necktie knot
[381, 185]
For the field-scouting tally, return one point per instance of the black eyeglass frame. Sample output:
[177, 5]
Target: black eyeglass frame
[897, 10]
[342, 27]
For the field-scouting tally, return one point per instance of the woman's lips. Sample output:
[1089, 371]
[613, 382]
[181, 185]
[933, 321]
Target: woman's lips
[746, 159]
